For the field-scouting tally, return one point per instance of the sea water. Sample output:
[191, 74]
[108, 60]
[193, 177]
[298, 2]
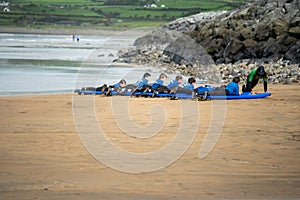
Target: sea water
[45, 64]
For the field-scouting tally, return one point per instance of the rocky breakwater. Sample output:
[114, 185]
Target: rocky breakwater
[187, 24]
[262, 32]
[264, 29]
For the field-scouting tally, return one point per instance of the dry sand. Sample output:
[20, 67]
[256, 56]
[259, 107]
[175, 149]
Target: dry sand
[256, 157]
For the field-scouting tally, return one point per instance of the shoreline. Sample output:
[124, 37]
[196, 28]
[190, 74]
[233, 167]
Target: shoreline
[77, 31]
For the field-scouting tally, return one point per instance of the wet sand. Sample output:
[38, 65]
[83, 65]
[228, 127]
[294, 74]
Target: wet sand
[77, 31]
[256, 157]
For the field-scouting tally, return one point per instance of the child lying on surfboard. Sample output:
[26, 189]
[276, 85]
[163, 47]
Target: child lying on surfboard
[142, 85]
[158, 87]
[231, 89]
[119, 87]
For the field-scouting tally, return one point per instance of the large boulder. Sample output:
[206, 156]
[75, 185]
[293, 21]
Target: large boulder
[185, 49]
[157, 38]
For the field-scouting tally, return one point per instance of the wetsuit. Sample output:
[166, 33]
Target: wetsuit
[142, 83]
[159, 88]
[232, 89]
[253, 79]
[172, 84]
[187, 88]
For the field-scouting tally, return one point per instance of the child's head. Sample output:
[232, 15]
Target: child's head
[179, 79]
[261, 71]
[163, 76]
[192, 80]
[122, 83]
[236, 79]
[147, 76]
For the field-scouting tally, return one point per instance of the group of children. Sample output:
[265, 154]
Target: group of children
[177, 86]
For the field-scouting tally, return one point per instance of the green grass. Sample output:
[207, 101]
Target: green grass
[137, 24]
[192, 4]
[99, 13]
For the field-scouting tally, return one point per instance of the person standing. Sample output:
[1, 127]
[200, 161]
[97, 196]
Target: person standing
[77, 38]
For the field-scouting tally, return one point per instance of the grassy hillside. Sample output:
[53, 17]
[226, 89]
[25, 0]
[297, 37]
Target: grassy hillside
[109, 13]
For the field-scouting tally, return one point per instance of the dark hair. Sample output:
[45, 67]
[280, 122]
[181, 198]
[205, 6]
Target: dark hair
[122, 81]
[261, 71]
[236, 79]
[146, 75]
[163, 75]
[192, 80]
[178, 77]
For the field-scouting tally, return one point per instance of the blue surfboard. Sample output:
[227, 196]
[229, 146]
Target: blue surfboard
[94, 92]
[247, 95]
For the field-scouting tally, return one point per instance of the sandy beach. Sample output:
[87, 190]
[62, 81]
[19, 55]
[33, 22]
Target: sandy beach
[256, 157]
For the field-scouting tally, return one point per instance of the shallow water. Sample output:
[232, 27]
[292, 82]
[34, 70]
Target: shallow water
[42, 64]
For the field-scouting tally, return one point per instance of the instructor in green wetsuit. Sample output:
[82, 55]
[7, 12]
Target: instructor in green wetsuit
[253, 78]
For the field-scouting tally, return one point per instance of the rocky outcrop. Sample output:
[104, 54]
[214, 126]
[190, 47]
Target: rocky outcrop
[187, 24]
[219, 46]
[176, 30]
[279, 72]
[262, 29]
[172, 41]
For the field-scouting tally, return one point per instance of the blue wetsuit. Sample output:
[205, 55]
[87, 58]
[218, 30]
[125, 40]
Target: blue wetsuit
[117, 86]
[173, 83]
[142, 82]
[159, 82]
[233, 89]
[188, 86]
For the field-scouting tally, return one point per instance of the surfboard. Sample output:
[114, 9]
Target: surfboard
[93, 92]
[247, 95]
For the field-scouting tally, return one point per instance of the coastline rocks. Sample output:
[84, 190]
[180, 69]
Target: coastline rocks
[280, 72]
[261, 29]
[263, 32]
[187, 24]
